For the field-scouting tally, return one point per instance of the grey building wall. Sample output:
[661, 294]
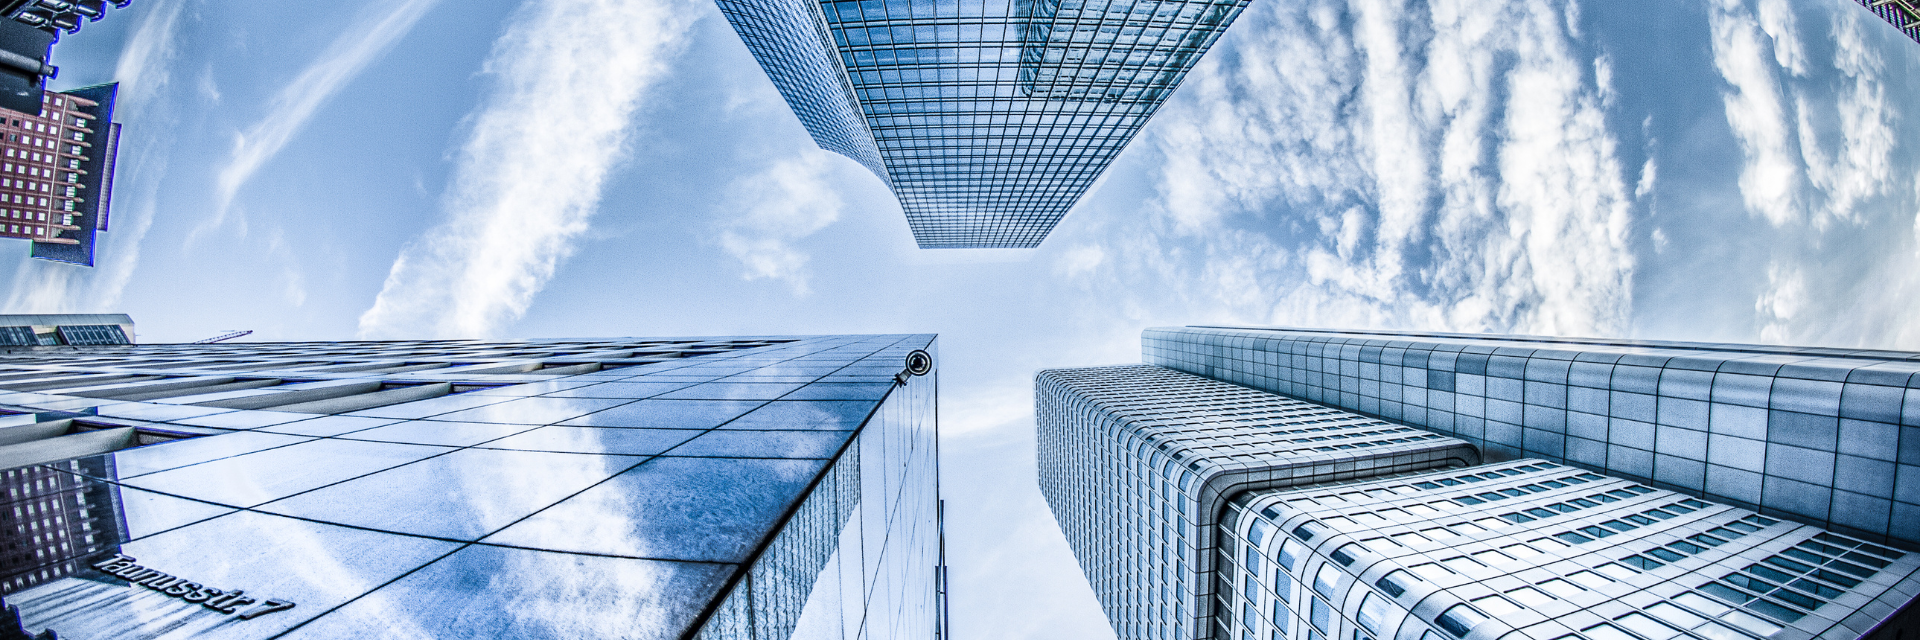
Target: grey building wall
[1828, 437]
[1532, 550]
[1137, 463]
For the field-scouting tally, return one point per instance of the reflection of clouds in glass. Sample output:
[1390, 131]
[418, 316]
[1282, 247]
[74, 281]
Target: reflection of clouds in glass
[314, 565]
[706, 509]
[534, 410]
[517, 593]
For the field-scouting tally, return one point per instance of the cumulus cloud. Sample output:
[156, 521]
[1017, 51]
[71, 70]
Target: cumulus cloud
[143, 70]
[568, 77]
[1365, 163]
[1821, 138]
[1757, 111]
[1814, 150]
[362, 43]
[772, 210]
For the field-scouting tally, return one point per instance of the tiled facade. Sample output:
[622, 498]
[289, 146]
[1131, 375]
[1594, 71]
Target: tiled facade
[720, 488]
[1534, 550]
[1829, 437]
[988, 118]
[1138, 461]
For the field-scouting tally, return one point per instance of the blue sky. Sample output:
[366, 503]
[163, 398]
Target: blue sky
[1729, 170]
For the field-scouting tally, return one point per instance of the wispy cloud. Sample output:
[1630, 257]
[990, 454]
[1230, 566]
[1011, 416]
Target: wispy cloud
[1821, 140]
[1364, 163]
[143, 71]
[1757, 110]
[569, 75]
[776, 208]
[362, 43]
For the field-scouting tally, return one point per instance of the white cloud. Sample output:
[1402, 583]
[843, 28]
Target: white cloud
[362, 43]
[143, 70]
[1081, 260]
[1756, 110]
[569, 76]
[1777, 20]
[1444, 168]
[1780, 304]
[1861, 166]
[775, 208]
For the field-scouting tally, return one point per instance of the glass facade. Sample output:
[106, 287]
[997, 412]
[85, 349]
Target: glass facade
[751, 488]
[1829, 437]
[1137, 462]
[1530, 549]
[988, 118]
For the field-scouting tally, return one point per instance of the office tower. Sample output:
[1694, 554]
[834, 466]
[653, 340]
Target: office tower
[57, 172]
[1520, 547]
[1534, 550]
[712, 488]
[65, 329]
[1136, 463]
[1902, 14]
[988, 118]
[1829, 437]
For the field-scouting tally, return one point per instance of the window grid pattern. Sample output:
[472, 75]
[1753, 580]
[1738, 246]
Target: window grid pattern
[1136, 462]
[795, 457]
[991, 117]
[1662, 572]
[1829, 437]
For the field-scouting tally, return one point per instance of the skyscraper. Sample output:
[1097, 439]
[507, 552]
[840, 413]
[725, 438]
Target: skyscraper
[57, 172]
[712, 488]
[988, 118]
[1444, 547]
[1829, 437]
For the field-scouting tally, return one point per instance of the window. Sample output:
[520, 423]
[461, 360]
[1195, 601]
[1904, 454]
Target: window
[1306, 531]
[1320, 615]
[1606, 632]
[1562, 588]
[1257, 532]
[1531, 597]
[1394, 583]
[1647, 627]
[1282, 620]
[1290, 555]
[1326, 580]
[1460, 620]
[1496, 605]
[1282, 586]
[1344, 555]
[1373, 612]
[1463, 564]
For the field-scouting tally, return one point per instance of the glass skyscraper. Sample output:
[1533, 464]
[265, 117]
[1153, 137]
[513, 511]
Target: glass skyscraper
[1480, 537]
[714, 488]
[988, 118]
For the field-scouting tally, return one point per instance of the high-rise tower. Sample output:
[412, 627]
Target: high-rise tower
[732, 488]
[988, 118]
[1277, 484]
